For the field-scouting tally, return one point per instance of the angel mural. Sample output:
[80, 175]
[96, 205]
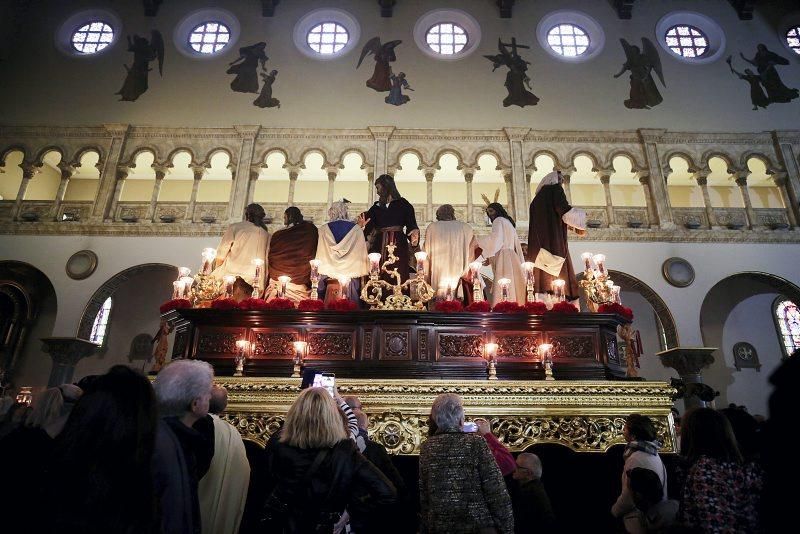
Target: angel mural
[766, 79]
[245, 67]
[144, 52]
[384, 54]
[517, 78]
[396, 96]
[642, 62]
[265, 99]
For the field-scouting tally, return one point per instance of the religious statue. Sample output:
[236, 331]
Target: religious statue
[517, 78]
[384, 54]
[341, 250]
[290, 251]
[396, 96]
[242, 243]
[144, 52]
[633, 348]
[450, 245]
[642, 62]
[161, 342]
[245, 67]
[767, 78]
[504, 252]
[265, 99]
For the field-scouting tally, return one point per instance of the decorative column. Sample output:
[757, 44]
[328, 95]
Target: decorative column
[66, 352]
[785, 145]
[508, 178]
[782, 183]
[255, 172]
[566, 186]
[332, 173]
[105, 202]
[29, 170]
[657, 185]
[67, 171]
[161, 171]
[119, 182]
[741, 181]
[605, 179]
[241, 174]
[652, 209]
[370, 189]
[198, 171]
[469, 175]
[701, 177]
[528, 176]
[518, 197]
[294, 172]
[689, 362]
[381, 134]
[429, 171]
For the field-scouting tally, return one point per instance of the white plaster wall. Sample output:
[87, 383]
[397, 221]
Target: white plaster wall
[644, 320]
[42, 86]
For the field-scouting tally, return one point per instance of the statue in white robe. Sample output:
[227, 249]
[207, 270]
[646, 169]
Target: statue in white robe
[241, 244]
[504, 252]
[450, 245]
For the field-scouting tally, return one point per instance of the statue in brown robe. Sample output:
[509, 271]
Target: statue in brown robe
[290, 250]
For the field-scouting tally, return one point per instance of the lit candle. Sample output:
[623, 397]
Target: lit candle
[544, 351]
[242, 345]
[299, 350]
[491, 350]
[258, 263]
[187, 281]
[587, 261]
[530, 294]
[314, 270]
[344, 282]
[449, 291]
[600, 261]
[504, 284]
[421, 257]
[477, 292]
[229, 279]
[209, 254]
[615, 293]
[177, 290]
[558, 289]
[374, 264]
[283, 280]
[183, 271]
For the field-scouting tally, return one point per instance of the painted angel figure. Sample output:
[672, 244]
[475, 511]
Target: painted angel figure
[642, 62]
[396, 96]
[764, 61]
[384, 54]
[757, 96]
[517, 80]
[265, 99]
[144, 52]
[245, 67]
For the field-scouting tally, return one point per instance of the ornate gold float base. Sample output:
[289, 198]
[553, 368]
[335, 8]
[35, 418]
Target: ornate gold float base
[586, 416]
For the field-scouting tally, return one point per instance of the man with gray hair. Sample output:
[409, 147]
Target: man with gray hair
[184, 445]
[532, 509]
[450, 245]
[341, 251]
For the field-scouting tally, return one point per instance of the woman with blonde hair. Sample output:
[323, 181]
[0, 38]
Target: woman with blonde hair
[317, 468]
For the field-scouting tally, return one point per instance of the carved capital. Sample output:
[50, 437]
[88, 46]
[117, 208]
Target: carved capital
[247, 131]
[382, 133]
[122, 172]
[198, 171]
[701, 176]
[780, 178]
[117, 129]
[741, 180]
[687, 361]
[651, 135]
[516, 134]
[469, 175]
[66, 169]
[161, 169]
[604, 175]
[29, 170]
[68, 350]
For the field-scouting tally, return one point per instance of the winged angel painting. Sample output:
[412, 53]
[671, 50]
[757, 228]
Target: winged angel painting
[144, 52]
[642, 62]
[384, 54]
[517, 79]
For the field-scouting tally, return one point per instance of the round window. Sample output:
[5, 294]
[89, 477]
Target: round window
[92, 37]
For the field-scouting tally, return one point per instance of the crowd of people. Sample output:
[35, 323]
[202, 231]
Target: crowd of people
[117, 453]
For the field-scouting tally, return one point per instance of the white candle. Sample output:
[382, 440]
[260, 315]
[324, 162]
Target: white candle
[188, 281]
[449, 291]
[177, 290]
[314, 270]
[209, 254]
[229, 280]
[491, 351]
[587, 261]
[284, 281]
[558, 289]
[344, 282]
[615, 293]
[258, 263]
[242, 345]
[544, 351]
[528, 268]
[600, 261]
[504, 284]
[299, 350]
[374, 263]
[421, 257]
[183, 271]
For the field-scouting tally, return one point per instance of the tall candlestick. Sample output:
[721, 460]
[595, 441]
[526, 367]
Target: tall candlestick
[450, 284]
[258, 264]
[600, 261]
[300, 348]
[504, 284]
[374, 264]
[615, 294]
[314, 277]
[547, 360]
[530, 290]
[421, 257]
[187, 281]
[229, 279]
[477, 291]
[491, 354]
[344, 284]
[587, 262]
[558, 289]
[242, 345]
[177, 290]
[209, 254]
[283, 281]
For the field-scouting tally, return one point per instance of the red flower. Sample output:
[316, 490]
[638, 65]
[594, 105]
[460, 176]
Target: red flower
[253, 304]
[448, 306]
[311, 305]
[279, 304]
[536, 308]
[508, 306]
[342, 305]
[225, 304]
[619, 309]
[564, 307]
[174, 304]
[479, 307]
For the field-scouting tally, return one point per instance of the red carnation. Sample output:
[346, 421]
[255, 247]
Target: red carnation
[564, 307]
[448, 306]
[344, 305]
[481, 306]
[279, 304]
[508, 306]
[619, 309]
[311, 305]
[224, 304]
[253, 304]
[174, 304]
[536, 308]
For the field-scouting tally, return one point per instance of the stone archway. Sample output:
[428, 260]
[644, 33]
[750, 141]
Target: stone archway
[108, 288]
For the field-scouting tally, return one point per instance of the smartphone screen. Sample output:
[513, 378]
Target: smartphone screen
[325, 380]
[469, 427]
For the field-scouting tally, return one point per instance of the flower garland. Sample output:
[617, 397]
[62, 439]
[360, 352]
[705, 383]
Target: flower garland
[342, 305]
[174, 304]
[619, 309]
[563, 307]
[536, 308]
[479, 307]
[448, 306]
[279, 304]
[311, 305]
[508, 306]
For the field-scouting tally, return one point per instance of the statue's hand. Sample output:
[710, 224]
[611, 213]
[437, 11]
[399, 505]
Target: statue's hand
[414, 237]
[361, 221]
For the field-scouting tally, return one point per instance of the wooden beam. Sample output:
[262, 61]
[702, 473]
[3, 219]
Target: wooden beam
[744, 8]
[268, 7]
[624, 8]
[151, 7]
[505, 7]
[387, 7]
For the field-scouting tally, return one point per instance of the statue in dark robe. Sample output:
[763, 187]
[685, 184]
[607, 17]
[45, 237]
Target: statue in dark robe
[265, 99]
[144, 52]
[245, 67]
[384, 54]
[765, 61]
[517, 80]
[757, 96]
[642, 62]
[396, 96]
[290, 250]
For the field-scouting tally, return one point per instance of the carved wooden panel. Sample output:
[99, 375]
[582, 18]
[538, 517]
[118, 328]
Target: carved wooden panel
[517, 347]
[366, 350]
[218, 341]
[611, 349]
[422, 345]
[395, 346]
[460, 346]
[274, 344]
[179, 347]
[331, 346]
[573, 346]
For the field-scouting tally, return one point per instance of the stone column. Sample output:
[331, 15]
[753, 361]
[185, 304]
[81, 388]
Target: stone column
[255, 172]
[657, 180]
[332, 173]
[741, 181]
[65, 353]
[370, 189]
[381, 134]
[566, 186]
[469, 175]
[198, 171]
[294, 172]
[67, 171]
[518, 197]
[689, 362]
[29, 170]
[508, 178]
[161, 172]
[701, 177]
[105, 202]
[652, 210]
[605, 179]
[241, 175]
[429, 194]
[122, 175]
[785, 145]
[782, 183]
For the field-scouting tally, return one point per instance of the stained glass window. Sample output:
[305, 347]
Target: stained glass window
[687, 41]
[446, 38]
[92, 37]
[327, 38]
[793, 38]
[787, 318]
[100, 325]
[209, 37]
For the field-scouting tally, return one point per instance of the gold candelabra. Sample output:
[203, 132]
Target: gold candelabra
[372, 292]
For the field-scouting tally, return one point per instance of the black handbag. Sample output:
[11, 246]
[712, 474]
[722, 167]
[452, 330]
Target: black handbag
[276, 516]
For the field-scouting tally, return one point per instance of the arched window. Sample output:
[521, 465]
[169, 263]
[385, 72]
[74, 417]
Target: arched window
[787, 322]
[100, 325]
